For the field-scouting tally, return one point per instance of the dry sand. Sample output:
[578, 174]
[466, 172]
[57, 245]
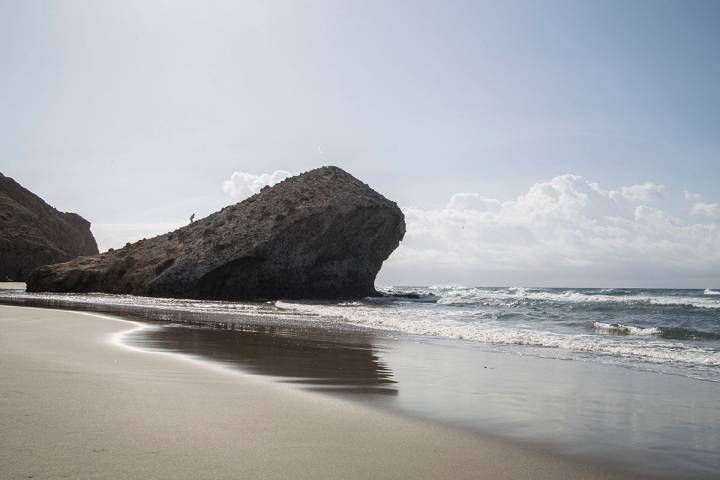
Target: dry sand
[76, 404]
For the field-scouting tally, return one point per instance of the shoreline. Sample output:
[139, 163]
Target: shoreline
[588, 412]
[74, 398]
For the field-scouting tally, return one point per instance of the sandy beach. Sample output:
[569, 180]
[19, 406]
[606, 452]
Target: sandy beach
[76, 403]
[360, 240]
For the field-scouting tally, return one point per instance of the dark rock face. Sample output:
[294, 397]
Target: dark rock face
[321, 234]
[32, 233]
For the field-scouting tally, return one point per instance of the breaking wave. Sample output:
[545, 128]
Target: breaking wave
[676, 333]
[603, 296]
[662, 327]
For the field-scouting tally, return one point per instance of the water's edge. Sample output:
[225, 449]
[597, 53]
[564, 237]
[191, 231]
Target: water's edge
[467, 386]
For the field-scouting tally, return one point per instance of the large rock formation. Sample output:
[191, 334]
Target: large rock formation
[32, 233]
[322, 234]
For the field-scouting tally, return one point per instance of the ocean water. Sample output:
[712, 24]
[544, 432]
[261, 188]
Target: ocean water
[675, 331]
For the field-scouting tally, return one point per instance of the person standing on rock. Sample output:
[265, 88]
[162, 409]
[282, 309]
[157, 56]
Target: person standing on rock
[192, 218]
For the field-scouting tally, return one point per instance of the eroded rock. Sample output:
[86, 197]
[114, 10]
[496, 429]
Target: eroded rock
[321, 234]
[32, 233]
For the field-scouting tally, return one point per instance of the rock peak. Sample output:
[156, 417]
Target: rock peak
[320, 234]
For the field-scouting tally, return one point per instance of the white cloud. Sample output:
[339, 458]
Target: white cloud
[472, 201]
[567, 229]
[706, 209]
[242, 185]
[690, 196]
[645, 192]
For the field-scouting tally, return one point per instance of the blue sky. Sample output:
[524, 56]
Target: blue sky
[134, 113]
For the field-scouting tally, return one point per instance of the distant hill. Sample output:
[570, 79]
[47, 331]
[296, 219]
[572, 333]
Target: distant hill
[32, 233]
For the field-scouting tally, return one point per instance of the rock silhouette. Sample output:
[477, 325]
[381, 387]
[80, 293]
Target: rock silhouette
[32, 233]
[321, 234]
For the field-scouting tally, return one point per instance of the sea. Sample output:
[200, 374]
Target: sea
[621, 376]
[674, 331]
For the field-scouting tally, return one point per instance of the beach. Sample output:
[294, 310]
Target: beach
[79, 404]
[360, 240]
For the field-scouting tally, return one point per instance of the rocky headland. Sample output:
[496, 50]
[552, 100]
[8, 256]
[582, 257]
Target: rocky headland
[32, 233]
[321, 234]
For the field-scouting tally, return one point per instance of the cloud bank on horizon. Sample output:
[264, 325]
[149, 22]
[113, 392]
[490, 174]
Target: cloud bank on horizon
[567, 231]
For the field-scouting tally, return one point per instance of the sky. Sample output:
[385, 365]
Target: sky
[529, 143]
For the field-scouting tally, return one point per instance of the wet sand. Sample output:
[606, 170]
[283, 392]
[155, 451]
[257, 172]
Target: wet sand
[76, 404]
[590, 411]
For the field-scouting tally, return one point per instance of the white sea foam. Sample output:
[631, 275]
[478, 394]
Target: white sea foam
[711, 292]
[625, 329]
[516, 295]
[152, 303]
[486, 328]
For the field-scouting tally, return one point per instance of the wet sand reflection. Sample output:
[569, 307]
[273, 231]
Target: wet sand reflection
[338, 363]
[335, 361]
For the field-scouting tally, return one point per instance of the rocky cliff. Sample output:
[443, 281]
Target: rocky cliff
[321, 234]
[32, 233]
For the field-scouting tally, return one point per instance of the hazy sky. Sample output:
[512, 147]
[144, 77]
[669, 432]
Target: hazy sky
[586, 134]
